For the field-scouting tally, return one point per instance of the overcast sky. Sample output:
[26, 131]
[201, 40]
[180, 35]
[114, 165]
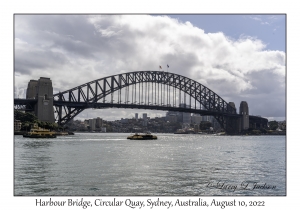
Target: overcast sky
[239, 57]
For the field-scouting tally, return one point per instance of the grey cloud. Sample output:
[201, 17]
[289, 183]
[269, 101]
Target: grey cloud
[268, 83]
[74, 34]
[268, 97]
[83, 48]
[28, 61]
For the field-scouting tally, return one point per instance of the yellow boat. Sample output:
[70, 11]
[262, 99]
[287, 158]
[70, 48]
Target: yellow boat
[146, 136]
[37, 132]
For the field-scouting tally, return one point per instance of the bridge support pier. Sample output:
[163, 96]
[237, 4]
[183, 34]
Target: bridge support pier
[238, 124]
[244, 111]
[233, 125]
[42, 90]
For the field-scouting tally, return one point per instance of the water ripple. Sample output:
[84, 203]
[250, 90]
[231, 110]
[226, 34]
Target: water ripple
[174, 165]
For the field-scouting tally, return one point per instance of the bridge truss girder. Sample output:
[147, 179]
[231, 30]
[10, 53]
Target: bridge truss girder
[97, 91]
[24, 104]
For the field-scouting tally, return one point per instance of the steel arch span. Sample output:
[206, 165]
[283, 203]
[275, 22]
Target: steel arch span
[156, 90]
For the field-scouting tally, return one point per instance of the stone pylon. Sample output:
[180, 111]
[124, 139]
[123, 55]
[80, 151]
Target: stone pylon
[42, 90]
[244, 111]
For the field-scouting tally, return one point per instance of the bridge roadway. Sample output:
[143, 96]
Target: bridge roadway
[85, 105]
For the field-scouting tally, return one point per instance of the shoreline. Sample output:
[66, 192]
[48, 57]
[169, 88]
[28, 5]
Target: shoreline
[214, 134]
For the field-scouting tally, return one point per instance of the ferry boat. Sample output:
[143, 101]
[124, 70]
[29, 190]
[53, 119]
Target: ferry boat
[184, 131]
[37, 132]
[146, 136]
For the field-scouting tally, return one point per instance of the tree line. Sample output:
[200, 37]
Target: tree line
[28, 120]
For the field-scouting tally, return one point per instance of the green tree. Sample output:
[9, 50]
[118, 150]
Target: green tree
[28, 119]
[262, 130]
[273, 125]
[25, 126]
[204, 125]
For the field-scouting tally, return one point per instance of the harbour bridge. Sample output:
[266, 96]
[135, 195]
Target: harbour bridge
[154, 90]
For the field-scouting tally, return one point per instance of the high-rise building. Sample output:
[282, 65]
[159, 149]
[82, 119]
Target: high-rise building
[171, 118]
[144, 116]
[92, 124]
[186, 117]
[98, 122]
[207, 118]
[136, 116]
[183, 117]
[196, 119]
[171, 113]
[145, 119]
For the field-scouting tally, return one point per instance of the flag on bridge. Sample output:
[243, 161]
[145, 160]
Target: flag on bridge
[168, 66]
[160, 67]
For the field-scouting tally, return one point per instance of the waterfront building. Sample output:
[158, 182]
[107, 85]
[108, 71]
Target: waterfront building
[17, 125]
[124, 120]
[99, 122]
[136, 116]
[92, 124]
[196, 128]
[82, 126]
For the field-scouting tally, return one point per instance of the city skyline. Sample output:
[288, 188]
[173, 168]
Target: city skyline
[239, 66]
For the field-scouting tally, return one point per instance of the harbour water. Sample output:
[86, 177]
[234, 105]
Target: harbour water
[104, 164]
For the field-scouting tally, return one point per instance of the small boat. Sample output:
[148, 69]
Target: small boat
[37, 132]
[180, 131]
[61, 133]
[184, 131]
[147, 136]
